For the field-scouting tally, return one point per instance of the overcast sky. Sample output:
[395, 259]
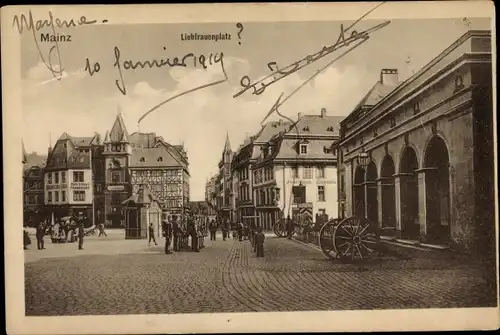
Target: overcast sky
[81, 104]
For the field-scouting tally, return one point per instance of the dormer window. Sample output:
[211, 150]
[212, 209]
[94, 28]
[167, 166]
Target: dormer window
[306, 128]
[330, 129]
[160, 159]
[303, 149]
[142, 160]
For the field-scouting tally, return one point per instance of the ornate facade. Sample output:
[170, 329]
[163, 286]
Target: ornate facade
[33, 168]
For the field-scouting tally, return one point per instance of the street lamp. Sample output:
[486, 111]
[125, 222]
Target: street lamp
[277, 193]
[363, 159]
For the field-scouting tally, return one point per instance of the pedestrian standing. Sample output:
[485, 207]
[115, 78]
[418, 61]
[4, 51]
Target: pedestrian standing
[259, 242]
[225, 230]
[194, 235]
[167, 232]
[26, 239]
[289, 224]
[177, 233]
[102, 232]
[213, 230]
[81, 234]
[151, 234]
[240, 231]
[40, 232]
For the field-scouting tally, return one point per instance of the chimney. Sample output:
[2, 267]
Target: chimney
[389, 77]
[323, 112]
[299, 115]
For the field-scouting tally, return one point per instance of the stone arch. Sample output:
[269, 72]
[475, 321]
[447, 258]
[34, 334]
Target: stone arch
[408, 166]
[388, 194]
[436, 162]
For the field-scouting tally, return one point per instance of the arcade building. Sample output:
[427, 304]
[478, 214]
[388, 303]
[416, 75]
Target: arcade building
[417, 157]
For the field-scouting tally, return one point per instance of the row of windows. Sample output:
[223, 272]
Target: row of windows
[307, 172]
[320, 195]
[77, 196]
[78, 177]
[34, 199]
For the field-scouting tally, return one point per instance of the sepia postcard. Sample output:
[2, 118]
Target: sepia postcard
[231, 168]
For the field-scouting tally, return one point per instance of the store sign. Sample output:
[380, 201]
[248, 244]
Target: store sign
[116, 188]
[80, 186]
[325, 182]
[299, 181]
[56, 187]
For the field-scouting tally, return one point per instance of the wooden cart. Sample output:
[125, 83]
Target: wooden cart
[350, 239]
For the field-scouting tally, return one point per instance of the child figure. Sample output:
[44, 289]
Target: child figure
[259, 242]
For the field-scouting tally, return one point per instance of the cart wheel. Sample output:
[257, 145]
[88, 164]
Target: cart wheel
[354, 239]
[326, 241]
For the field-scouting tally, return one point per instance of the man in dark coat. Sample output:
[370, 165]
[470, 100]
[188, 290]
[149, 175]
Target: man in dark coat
[40, 233]
[177, 233]
[81, 234]
[289, 226]
[259, 242]
[213, 230]
[194, 234]
[167, 231]
[225, 230]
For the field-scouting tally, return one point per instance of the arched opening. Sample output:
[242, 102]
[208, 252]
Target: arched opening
[388, 193]
[359, 192]
[437, 191]
[371, 193]
[410, 226]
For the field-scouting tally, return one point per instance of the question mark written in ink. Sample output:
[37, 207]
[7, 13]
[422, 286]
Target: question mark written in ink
[240, 27]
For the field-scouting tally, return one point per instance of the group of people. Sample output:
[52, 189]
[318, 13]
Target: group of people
[177, 234]
[241, 232]
[59, 231]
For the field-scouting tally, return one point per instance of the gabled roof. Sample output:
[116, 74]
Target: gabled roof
[270, 129]
[118, 129]
[316, 125]
[152, 158]
[35, 160]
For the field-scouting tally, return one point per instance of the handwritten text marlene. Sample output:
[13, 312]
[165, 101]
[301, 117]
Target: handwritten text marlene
[24, 23]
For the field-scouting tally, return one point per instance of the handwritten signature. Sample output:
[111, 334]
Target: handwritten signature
[24, 23]
[278, 74]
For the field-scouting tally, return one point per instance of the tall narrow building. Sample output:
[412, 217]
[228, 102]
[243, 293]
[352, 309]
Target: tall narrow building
[117, 153]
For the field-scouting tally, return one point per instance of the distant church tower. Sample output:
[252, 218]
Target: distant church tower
[117, 151]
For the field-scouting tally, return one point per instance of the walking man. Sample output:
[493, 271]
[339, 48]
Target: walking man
[167, 231]
[40, 233]
[101, 230]
[151, 234]
[81, 234]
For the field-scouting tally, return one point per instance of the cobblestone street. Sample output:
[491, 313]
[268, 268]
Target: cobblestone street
[117, 276]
